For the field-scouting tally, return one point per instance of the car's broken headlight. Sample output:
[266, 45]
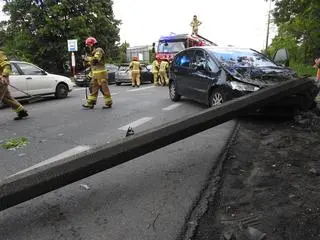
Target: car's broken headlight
[243, 87]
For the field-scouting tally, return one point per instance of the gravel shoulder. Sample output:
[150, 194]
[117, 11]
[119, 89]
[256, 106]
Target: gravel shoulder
[270, 183]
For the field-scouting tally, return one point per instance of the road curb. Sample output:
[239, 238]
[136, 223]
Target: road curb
[210, 190]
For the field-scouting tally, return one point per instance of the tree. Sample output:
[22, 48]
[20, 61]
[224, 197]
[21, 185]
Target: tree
[38, 30]
[299, 29]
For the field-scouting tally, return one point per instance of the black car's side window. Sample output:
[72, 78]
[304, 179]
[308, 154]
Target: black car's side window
[183, 60]
[212, 66]
[199, 60]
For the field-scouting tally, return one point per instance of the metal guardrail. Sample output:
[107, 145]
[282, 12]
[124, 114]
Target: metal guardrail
[30, 184]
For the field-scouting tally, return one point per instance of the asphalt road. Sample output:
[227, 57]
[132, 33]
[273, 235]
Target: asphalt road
[147, 198]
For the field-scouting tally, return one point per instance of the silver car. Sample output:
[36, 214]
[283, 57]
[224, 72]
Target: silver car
[123, 75]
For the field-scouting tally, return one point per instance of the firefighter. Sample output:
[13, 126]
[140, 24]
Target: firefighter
[155, 71]
[99, 81]
[195, 24]
[163, 71]
[135, 72]
[5, 96]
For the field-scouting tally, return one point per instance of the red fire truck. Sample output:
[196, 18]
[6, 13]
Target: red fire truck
[170, 45]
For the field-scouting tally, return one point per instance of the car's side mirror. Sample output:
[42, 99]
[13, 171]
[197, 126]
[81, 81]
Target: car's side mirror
[43, 72]
[282, 57]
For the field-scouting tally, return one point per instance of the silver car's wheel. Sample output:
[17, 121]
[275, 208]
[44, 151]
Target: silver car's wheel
[174, 96]
[217, 97]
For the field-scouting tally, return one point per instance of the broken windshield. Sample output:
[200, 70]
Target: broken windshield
[170, 47]
[241, 58]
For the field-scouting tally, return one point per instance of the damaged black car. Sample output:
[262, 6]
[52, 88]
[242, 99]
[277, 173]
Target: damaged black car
[213, 75]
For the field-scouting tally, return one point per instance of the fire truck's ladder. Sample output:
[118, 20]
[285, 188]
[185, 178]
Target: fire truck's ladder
[207, 40]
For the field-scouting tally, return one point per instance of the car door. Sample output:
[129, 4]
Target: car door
[18, 81]
[181, 71]
[198, 80]
[38, 81]
[143, 73]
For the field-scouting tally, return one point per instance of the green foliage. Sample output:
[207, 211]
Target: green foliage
[15, 143]
[38, 30]
[303, 69]
[299, 29]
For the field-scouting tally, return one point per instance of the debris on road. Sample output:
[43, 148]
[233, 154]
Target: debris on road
[85, 186]
[14, 143]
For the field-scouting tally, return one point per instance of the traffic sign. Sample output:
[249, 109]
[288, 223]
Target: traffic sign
[72, 45]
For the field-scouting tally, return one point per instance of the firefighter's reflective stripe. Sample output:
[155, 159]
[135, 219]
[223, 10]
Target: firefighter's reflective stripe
[98, 71]
[92, 98]
[99, 74]
[19, 109]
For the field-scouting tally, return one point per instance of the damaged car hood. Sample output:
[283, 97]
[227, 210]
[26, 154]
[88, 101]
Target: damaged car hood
[260, 76]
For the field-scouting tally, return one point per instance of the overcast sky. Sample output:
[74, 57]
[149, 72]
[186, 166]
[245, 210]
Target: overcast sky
[241, 23]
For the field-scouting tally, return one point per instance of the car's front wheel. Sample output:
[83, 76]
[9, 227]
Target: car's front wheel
[174, 96]
[118, 83]
[61, 91]
[217, 97]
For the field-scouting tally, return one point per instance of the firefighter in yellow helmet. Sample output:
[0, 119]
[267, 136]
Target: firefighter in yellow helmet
[5, 96]
[195, 25]
[155, 70]
[99, 75]
[135, 71]
[163, 72]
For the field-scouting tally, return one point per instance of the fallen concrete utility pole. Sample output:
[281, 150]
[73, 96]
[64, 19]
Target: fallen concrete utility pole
[33, 183]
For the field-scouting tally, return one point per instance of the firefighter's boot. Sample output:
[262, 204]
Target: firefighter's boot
[88, 106]
[108, 101]
[21, 114]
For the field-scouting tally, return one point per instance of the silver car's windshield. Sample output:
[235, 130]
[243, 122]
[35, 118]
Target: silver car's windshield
[169, 47]
[241, 57]
[123, 68]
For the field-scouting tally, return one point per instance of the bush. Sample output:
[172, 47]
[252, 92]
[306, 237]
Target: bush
[303, 69]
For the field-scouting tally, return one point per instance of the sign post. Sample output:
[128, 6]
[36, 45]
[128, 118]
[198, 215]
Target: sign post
[73, 47]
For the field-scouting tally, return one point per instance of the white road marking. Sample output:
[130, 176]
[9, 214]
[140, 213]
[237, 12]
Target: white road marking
[136, 123]
[78, 89]
[68, 153]
[171, 107]
[139, 89]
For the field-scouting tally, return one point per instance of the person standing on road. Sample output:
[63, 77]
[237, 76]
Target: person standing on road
[317, 65]
[5, 96]
[99, 75]
[195, 25]
[135, 71]
[163, 72]
[155, 71]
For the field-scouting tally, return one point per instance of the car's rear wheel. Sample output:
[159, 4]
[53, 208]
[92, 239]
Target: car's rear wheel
[217, 97]
[61, 91]
[118, 83]
[174, 96]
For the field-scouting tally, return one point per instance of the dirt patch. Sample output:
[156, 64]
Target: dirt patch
[271, 184]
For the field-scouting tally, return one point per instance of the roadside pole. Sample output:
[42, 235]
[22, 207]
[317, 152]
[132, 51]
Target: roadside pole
[73, 64]
[73, 47]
